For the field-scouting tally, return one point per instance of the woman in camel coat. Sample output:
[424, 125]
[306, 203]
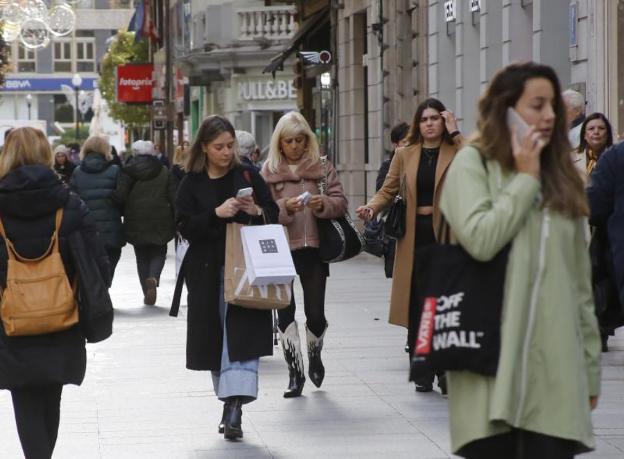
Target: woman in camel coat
[420, 166]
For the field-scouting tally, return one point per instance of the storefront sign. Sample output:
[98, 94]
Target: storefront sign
[267, 90]
[134, 83]
[44, 84]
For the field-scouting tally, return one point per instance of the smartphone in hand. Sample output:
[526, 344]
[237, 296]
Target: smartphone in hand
[244, 193]
[517, 124]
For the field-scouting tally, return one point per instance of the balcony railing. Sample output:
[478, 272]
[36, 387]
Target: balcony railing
[268, 22]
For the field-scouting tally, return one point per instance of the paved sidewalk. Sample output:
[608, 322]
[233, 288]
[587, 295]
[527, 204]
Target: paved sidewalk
[138, 400]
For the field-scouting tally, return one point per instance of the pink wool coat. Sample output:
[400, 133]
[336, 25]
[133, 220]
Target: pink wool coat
[286, 184]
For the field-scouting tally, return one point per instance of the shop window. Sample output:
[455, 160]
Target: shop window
[62, 56]
[63, 110]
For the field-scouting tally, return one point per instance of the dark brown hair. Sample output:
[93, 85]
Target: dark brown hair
[211, 128]
[596, 116]
[562, 185]
[415, 135]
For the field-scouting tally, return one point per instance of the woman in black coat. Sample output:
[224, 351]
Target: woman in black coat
[606, 201]
[223, 338]
[35, 368]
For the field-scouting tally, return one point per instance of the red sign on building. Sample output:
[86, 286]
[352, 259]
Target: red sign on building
[134, 83]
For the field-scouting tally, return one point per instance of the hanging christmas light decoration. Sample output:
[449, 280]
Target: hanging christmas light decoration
[35, 22]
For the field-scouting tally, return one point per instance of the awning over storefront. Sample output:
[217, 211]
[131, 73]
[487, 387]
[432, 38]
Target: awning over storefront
[309, 26]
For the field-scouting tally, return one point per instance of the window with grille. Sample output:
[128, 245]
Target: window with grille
[62, 56]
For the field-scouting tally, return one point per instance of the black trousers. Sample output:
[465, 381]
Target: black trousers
[313, 275]
[113, 258]
[424, 237]
[150, 261]
[37, 414]
[520, 444]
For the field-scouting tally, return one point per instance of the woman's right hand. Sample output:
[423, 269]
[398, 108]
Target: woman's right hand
[228, 209]
[294, 205]
[527, 153]
[365, 213]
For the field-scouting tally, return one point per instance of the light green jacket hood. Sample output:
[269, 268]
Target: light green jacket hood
[550, 344]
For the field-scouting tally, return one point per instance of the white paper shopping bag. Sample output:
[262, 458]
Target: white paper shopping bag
[267, 255]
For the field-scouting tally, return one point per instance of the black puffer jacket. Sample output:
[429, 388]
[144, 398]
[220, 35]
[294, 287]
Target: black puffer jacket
[94, 181]
[29, 198]
[147, 193]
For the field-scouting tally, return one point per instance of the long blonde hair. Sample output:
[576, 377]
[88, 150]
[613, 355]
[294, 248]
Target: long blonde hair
[25, 146]
[291, 124]
[97, 144]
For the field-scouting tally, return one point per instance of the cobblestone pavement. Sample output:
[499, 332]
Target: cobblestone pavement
[138, 400]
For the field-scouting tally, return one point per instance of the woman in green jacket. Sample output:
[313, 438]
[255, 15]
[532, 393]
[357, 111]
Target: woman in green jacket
[523, 189]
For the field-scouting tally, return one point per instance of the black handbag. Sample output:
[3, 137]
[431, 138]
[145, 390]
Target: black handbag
[339, 239]
[395, 221]
[374, 237]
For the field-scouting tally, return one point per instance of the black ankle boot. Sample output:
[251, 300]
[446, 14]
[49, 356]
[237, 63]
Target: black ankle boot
[222, 423]
[294, 359]
[316, 370]
[233, 413]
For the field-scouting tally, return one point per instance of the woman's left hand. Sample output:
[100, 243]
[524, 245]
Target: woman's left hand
[316, 203]
[449, 121]
[248, 206]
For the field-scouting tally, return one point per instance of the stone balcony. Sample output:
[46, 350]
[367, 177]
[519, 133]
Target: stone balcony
[270, 23]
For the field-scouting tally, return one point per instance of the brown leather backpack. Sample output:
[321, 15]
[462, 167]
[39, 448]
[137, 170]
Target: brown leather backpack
[38, 298]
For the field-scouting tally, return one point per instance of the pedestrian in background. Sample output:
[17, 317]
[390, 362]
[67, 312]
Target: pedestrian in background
[293, 167]
[63, 166]
[607, 245]
[224, 338]
[398, 139]
[502, 189]
[575, 115]
[247, 149]
[146, 193]
[161, 156]
[596, 137]
[179, 160]
[35, 368]
[95, 180]
[418, 168]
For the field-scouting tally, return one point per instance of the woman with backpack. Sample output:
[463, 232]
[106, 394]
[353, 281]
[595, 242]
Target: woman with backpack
[34, 367]
[94, 180]
[146, 191]
[224, 338]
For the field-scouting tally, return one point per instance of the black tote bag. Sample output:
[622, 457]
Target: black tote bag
[395, 221]
[461, 300]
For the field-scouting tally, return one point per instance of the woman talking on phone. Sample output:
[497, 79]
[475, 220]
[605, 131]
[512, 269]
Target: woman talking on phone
[223, 338]
[515, 185]
[293, 171]
[416, 172]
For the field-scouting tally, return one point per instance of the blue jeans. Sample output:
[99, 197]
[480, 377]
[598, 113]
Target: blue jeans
[236, 379]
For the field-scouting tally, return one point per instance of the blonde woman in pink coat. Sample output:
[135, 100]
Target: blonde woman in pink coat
[294, 167]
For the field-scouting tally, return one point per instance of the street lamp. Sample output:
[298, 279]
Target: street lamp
[29, 102]
[77, 82]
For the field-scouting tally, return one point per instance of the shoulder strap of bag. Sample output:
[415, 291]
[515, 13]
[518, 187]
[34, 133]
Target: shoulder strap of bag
[323, 182]
[54, 240]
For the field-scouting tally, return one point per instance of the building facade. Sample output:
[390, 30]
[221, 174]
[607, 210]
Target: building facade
[230, 44]
[468, 41]
[33, 89]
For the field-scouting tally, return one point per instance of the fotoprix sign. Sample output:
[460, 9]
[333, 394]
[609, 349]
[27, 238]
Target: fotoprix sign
[134, 83]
